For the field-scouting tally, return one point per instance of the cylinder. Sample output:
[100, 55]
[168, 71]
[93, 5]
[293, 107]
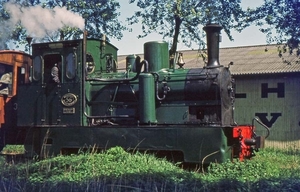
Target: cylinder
[130, 62]
[157, 55]
[147, 99]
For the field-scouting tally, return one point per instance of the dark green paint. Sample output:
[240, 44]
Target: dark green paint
[161, 109]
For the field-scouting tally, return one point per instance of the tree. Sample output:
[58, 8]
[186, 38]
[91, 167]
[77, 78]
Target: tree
[12, 31]
[101, 17]
[183, 19]
[282, 16]
[53, 20]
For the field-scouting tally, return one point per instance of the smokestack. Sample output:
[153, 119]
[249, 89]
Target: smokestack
[29, 39]
[213, 39]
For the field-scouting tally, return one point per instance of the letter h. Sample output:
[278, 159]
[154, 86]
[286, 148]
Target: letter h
[265, 90]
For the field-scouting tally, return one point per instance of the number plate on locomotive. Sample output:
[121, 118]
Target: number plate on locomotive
[69, 110]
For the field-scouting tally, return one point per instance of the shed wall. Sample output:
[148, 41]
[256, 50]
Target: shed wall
[274, 99]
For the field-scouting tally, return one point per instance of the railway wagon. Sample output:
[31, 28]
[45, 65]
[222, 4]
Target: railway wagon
[14, 71]
[78, 98]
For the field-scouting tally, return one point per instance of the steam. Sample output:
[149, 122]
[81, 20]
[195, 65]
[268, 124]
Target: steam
[39, 21]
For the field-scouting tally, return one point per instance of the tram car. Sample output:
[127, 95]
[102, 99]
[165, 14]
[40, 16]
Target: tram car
[14, 71]
[78, 98]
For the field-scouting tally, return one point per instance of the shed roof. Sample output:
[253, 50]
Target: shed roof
[260, 59]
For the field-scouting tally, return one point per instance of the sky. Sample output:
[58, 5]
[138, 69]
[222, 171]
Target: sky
[130, 44]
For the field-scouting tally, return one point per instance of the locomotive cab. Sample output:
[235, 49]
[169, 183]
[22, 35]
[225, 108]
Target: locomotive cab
[56, 73]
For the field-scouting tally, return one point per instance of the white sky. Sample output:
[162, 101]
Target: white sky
[129, 44]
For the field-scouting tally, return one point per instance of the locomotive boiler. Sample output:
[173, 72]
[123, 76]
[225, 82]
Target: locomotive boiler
[79, 98]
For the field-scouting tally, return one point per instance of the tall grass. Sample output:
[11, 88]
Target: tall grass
[118, 170]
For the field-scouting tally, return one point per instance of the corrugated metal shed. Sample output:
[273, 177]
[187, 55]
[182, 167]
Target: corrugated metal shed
[247, 60]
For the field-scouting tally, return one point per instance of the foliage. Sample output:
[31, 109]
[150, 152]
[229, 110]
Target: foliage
[181, 20]
[101, 17]
[116, 169]
[76, 168]
[15, 33]
[13, 149]
[270, 170]
[282, 16]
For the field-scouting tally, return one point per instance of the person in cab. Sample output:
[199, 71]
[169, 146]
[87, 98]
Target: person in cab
[4, 81]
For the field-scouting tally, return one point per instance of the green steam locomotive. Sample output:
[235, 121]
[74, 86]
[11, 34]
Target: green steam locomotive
[78, 98]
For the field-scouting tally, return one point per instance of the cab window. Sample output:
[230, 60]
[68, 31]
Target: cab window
[5, 79]
[53, 68]
[37, 68]
[70, 66]
[90, 65]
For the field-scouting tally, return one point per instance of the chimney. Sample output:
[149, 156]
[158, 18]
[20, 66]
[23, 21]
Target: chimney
[213, 38]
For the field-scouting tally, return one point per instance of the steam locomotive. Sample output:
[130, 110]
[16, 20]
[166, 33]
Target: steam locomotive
[78, 98]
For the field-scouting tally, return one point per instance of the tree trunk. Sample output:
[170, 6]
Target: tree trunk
[173, 49]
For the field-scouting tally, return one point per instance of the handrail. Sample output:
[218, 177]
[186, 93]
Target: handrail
[262, 124]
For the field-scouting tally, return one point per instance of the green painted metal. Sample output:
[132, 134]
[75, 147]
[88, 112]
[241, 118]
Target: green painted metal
[130, 63]
[147, 99]
[157, 55]
[99, 52]
[196, 143]
[159, 109]
[44, 97]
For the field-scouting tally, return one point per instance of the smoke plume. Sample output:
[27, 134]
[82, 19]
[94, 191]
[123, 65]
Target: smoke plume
[5, 31]
[39, 21]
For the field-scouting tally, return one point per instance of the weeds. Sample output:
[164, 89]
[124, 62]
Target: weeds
[117, 170]
[13, 149]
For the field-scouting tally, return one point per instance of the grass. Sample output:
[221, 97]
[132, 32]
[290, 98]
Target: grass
[13, 149]
[118, 170]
